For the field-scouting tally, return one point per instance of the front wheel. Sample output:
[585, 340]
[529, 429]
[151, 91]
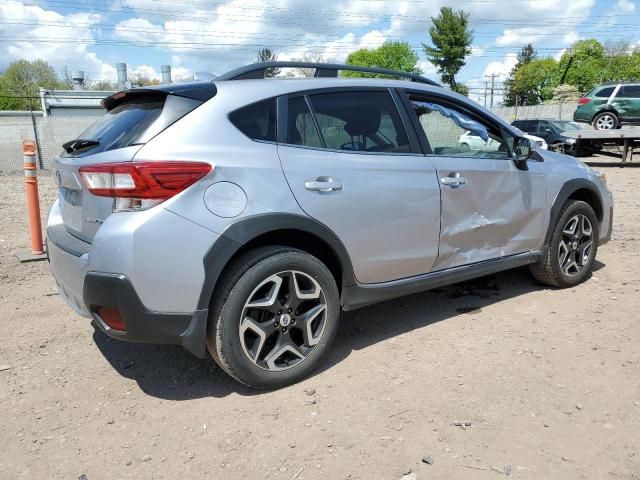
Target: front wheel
[274, 318]
[572, 251]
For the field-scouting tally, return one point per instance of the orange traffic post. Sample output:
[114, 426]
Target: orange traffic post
[33, 200]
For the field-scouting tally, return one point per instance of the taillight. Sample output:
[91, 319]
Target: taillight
[140, 185]
[584, 101]
[112, 317]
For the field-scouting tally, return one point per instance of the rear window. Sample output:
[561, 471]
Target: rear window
[605, 92]
[257, 121]
[133, 122]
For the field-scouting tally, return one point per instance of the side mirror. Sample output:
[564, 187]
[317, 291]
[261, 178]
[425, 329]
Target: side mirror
[522, 150]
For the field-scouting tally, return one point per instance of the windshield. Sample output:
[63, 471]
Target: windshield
[566, 126]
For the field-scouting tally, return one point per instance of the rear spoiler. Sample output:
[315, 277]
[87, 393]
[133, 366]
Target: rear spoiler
[201, 91]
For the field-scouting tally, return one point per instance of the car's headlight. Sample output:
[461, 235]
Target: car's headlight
[570, 141]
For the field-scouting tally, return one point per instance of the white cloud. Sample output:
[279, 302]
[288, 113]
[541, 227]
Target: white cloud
[503, 68]
[626, 6]
[61, 40]
[551, 29]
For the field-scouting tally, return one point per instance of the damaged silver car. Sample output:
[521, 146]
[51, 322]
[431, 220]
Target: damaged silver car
[241, 216]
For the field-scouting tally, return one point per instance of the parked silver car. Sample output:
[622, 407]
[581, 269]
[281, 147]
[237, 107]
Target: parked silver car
[243, 215]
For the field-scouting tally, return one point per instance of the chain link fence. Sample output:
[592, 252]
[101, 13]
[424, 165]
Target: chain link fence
[49, 134]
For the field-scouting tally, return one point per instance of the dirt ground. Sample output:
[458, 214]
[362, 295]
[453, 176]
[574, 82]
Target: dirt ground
[548, 380]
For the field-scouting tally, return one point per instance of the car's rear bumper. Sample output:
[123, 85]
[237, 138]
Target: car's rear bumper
[142, 325]
[68, 258]
[85, 291]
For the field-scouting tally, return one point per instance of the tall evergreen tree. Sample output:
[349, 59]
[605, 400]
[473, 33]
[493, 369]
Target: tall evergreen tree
[451, 39]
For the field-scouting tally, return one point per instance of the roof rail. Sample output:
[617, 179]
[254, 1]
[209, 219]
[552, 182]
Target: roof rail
[323, 70]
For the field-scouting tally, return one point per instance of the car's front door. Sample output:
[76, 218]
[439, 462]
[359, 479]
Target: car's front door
[490, 208]
[350, 165]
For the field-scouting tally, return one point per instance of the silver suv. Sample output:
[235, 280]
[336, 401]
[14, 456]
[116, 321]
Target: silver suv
[241, 216]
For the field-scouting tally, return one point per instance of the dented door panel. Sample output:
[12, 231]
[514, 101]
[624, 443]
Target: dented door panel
[499, 211]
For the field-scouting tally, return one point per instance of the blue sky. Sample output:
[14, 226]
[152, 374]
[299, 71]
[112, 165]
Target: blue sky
[217, 35]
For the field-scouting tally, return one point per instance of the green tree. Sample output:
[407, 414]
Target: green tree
[585, 65]
[390, 55]
[266, 55]
[461, 88]
[536, 80]
[8, 101]
[622, 62]
[526, 55]
[451, 39]
[23, 79]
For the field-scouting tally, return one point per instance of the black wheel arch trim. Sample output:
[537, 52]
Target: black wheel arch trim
[568, 189]
[240, 233]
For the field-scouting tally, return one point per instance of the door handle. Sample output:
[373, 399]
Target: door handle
[323, 185]
[454, 180]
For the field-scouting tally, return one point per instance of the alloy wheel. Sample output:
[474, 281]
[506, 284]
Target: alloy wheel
[283, 320]
[605, 122]
[576, 244]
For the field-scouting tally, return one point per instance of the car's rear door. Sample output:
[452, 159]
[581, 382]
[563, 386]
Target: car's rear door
[352, 166]
[490, 208]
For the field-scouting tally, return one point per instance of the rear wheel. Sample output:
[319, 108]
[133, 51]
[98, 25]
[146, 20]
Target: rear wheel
[605, 121]
[573, 247]
[274, 318]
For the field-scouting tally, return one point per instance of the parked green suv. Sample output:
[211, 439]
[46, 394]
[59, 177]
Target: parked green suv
[610, 106]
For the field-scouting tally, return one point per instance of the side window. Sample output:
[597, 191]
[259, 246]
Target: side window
[257, 121]
[454, 132]
[604, 92]
[543, 125]
[630, 91]
[301, 129]
[359, 121]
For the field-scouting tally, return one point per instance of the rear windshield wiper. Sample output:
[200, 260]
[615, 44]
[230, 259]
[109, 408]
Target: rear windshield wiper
[79, 143]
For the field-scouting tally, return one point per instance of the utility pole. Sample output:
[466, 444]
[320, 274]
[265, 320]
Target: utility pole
[493, 78]
[486, 86]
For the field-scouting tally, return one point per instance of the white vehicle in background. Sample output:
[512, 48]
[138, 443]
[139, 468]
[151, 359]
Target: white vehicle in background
[470, 141]
[537, 141]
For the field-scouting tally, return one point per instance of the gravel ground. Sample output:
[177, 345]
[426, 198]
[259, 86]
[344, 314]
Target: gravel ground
[548, 382]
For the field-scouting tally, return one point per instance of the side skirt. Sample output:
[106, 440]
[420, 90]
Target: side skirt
[361, 295]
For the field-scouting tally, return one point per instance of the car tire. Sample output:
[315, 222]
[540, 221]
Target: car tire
[465, 147]
[605, 121]
[274, 317]
[573, 247]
